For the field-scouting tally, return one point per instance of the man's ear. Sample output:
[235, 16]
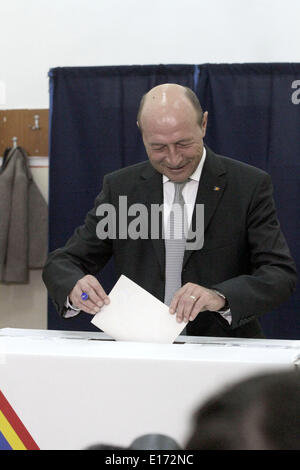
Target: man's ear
[204, 123]
[140, 129]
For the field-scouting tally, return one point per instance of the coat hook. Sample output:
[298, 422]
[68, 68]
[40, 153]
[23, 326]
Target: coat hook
[36, 125]
[15, 142]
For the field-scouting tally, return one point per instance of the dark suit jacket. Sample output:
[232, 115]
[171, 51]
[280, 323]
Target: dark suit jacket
[244, 256]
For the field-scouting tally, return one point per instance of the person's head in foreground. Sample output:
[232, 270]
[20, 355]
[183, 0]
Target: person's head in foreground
[258, 413]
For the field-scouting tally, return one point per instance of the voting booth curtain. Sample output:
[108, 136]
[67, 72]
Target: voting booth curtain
[93, 131]
[254, 116]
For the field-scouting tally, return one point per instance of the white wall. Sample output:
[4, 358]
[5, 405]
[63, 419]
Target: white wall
[36, 35]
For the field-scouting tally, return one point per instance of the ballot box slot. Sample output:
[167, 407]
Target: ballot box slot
[101, 339]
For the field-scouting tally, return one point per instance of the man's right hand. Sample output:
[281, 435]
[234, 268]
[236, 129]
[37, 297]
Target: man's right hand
[97, 296]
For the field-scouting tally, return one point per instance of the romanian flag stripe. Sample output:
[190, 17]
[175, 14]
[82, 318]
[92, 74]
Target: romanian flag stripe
[4, 445]
[10, 435]
[13, 421]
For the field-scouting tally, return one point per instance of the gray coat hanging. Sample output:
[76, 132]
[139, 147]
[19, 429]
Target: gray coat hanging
[23, 220]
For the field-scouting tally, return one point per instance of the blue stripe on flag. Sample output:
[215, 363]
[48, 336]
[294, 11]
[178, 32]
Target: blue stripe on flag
[4, 445]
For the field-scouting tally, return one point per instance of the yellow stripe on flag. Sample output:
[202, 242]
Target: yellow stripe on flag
[10, 435]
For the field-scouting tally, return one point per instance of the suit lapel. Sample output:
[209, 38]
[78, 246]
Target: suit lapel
[211, 186]
[151, 192]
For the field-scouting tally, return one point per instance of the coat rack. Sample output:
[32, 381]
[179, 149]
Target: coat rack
[25, 127]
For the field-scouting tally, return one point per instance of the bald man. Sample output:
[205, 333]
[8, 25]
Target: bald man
[243, 268]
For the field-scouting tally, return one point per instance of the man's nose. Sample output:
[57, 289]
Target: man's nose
[174, 157]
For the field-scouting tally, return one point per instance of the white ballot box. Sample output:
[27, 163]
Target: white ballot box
[72, 390]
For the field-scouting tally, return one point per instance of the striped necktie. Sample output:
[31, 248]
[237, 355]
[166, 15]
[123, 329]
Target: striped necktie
[175, 244]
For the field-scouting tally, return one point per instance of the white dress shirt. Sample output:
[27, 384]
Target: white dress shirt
[189, 192]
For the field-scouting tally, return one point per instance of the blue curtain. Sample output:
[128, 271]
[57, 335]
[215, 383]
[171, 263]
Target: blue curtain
[93, 132]
[253, 116]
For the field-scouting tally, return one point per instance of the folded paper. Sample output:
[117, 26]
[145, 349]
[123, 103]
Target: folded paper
[134, 314]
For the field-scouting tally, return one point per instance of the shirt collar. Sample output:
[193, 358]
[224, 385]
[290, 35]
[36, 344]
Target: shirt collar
[197, 173]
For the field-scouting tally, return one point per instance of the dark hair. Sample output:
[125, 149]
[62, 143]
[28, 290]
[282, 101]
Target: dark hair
[144, 442]
[262, 412]
[192, 97]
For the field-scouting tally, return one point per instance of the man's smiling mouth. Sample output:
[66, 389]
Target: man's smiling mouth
[177, 168]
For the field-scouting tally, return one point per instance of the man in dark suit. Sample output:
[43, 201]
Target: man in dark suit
[244, 268]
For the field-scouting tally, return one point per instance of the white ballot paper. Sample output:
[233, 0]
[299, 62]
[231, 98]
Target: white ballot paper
[135, 315]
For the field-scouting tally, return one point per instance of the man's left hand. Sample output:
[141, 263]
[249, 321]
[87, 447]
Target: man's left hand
[191, 299]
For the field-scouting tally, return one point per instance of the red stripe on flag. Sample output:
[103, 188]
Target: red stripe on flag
[17, 424]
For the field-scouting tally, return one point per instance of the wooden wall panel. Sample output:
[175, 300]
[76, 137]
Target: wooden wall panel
[19, 123]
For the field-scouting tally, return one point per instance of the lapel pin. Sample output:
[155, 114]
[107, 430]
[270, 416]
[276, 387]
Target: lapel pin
[216, 188]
